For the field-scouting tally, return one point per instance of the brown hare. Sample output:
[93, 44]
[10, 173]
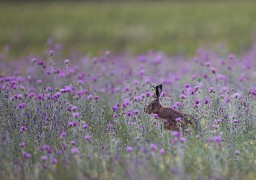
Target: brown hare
[173, 120]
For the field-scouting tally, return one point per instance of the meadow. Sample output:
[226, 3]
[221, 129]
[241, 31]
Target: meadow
[170, 27]
[83, 117]
[75, 79]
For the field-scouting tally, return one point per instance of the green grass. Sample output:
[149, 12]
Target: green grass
[177, 27]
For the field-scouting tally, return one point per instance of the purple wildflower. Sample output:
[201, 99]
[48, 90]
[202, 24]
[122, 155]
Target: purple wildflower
[88, 138]
[153, 147]
[74, 150]
[129, 149]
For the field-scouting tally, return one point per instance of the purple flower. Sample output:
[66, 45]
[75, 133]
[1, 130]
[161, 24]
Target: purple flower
[211, 90]
[237, 152]
[178, 119]
[44, 158]
[84, 126]
[148, 94]
[51, 52]
[187, 86]
[206, 101]
[235, 121]
[136, 112]
[162, 151]
[21, 106]
[63, 135]
[231, 57]
[127, 89]
[54, 161]
[213, 70]
[31, 95]
[90, 97]
[66, 61]
[26, 155]
[73, 142]
[236, 96]
[197, 102]
[72, 124]
[73, 108]
[215, 139]
[128, 113]
[182, 96]
[129, 149]
[47, 148]
[182, 139]
[115, 108]
[74, 150]
[88, 138]
[22, 144]
[76, 115]
[176, 133]
[22, 129]
[153, 147]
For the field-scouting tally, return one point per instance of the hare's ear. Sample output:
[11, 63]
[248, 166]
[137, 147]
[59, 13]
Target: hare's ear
[159, 90]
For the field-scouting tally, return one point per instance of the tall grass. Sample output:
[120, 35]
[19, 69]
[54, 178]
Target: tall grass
[75, 118]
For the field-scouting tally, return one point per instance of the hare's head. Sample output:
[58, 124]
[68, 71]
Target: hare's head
[154, 106]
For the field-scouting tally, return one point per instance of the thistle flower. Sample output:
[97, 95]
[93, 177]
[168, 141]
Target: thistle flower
[136, 112]
[211, 90]
[128, 113]
[88, 138]
[90, 97]
[178, 119]
[153, 147]
[26, 155]
[76, 114]
[73, 108]
[22, 144]
[63, 135]
[182, 139]
[72, 124]
[162, 151]
[21, 106]
[236, 96]
[129, 149]
[73, 142]
[176, 134]
[84, 126]
[54, 161]
[74, 150]
[22, 129]
[44, 158]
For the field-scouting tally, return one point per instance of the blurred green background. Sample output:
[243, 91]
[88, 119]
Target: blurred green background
[174, 27]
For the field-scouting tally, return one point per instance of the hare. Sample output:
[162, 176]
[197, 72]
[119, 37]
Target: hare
[173, 120]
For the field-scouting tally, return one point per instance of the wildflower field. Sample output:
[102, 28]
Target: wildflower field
[83, 117]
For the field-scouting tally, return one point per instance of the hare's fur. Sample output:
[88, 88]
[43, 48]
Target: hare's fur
[169, 115]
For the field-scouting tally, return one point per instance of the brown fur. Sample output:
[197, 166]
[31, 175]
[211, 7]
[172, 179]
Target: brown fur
[170, 115]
